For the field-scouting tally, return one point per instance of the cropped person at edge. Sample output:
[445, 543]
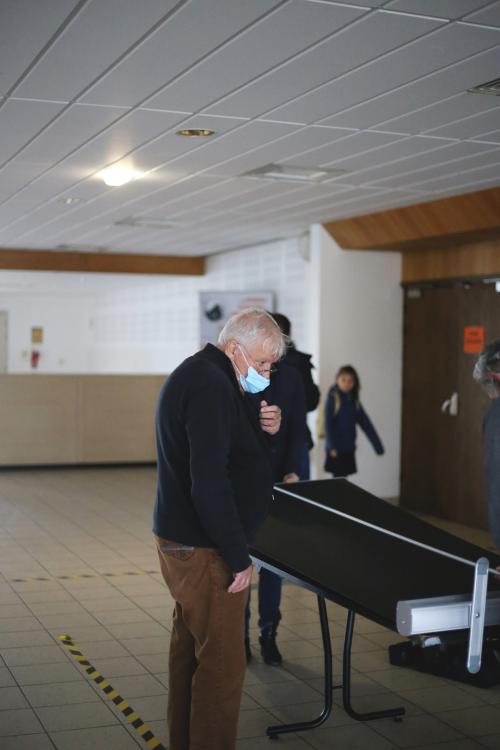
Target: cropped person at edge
[214, 488]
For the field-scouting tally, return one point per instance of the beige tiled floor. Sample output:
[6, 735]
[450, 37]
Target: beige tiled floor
[94, 523]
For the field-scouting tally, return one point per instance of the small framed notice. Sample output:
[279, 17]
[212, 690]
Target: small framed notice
[473, 339]
[37, 335]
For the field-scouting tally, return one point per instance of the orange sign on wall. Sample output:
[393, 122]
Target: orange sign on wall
[473, 339]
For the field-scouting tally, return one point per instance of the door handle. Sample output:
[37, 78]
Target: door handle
[451, 405]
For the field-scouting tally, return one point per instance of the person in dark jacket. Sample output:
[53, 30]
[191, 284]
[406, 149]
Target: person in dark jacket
[302, 363]
[286, 391]
[343, 413]
[214, 487]
[487, 372]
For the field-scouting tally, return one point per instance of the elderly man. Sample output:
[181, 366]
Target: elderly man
[487, 372]
[214, 488]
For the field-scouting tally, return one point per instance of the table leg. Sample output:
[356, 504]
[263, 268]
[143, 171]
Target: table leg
[301, 726]
[346, 681]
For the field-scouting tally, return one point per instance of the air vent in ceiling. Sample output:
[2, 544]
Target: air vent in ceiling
[490, 87]
[289, 173]
[146, 222]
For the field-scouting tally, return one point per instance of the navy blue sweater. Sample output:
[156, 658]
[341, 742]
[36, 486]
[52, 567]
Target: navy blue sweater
[342, 414]
[214, 469]
[286, 390]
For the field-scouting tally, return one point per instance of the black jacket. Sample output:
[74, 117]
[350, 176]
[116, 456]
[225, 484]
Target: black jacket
[287, 446]
[214, 469]
[302, 362]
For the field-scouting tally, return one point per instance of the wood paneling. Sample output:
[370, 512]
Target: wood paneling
[53, 260]
[461, 219]
[71, 419]
[468, 261]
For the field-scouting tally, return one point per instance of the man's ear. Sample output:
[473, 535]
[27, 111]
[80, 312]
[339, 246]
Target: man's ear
[231, 349]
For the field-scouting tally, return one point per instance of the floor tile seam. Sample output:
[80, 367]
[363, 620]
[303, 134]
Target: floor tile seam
[457, 686]
[439, 717]
[428, 714]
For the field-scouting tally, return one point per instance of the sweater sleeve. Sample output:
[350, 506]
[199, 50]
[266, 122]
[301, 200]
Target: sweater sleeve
[209, 427]
[329, 422]
[371, 433]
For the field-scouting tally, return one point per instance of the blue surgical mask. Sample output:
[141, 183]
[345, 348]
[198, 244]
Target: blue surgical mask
[254, 382]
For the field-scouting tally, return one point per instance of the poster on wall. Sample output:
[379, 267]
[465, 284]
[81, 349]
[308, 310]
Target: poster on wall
[217, 307]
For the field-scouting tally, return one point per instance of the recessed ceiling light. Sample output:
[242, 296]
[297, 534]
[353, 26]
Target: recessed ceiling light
[490, 87]
[146, 222]
[196, 132]
[293, 174]
[70, 201]
[118, 175]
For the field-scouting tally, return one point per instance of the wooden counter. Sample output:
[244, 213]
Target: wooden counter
[77, 419]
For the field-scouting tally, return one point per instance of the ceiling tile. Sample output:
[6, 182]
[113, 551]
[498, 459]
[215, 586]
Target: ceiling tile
[441, 113]
[278, 37]
[22, 120]
[435, 156]
[489, 16]
[472, 177]
[428, 90]
[171, 146]
[289, 147]
[471, 127]
[192, 32]
[367, 3]
[245, 138]
[334, 153]
[441, 9]
[390, 152]
[492, 137]
[423, 174]
[368, 38]
[98, 35]
[418, 58]
[29, 21]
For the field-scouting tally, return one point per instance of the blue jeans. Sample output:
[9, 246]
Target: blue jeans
[269, 601]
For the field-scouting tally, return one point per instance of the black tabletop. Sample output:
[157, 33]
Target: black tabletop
[354, 565]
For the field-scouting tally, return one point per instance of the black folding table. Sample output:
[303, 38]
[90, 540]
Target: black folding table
[376, 560]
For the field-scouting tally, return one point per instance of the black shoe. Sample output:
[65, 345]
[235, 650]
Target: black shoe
[248, 650]
[268, 647]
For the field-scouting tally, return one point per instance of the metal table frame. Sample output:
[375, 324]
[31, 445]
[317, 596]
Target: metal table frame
[274, 731]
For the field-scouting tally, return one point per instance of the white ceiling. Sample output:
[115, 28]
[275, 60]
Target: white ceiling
[376, 88]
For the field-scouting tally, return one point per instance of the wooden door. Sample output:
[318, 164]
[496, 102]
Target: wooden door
[442, 460]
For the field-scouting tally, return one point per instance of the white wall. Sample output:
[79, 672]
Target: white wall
[154, 325]
[357, 306]
[345, 307]
[65, 323]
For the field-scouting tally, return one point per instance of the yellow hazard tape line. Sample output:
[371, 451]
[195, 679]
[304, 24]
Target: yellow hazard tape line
[121, 704]
[29, 579]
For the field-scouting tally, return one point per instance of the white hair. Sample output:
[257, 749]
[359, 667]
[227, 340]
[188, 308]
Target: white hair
[254, 326]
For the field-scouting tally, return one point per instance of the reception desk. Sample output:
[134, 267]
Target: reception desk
[77, 419]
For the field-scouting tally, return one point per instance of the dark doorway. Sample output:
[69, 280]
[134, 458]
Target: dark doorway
[443, 408]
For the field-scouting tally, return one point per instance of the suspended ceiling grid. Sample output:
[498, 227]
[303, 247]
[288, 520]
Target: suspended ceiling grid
[378, 89]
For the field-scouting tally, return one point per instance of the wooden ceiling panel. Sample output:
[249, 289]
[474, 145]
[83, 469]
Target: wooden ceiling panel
[459, 220]
[92, 262]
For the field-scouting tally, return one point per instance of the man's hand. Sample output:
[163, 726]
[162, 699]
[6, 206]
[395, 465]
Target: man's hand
[292, 477]
[270, 418]
[241, 580]
[333, 453]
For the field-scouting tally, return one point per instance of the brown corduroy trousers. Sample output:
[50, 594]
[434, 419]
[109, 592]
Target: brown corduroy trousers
[207, 655]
